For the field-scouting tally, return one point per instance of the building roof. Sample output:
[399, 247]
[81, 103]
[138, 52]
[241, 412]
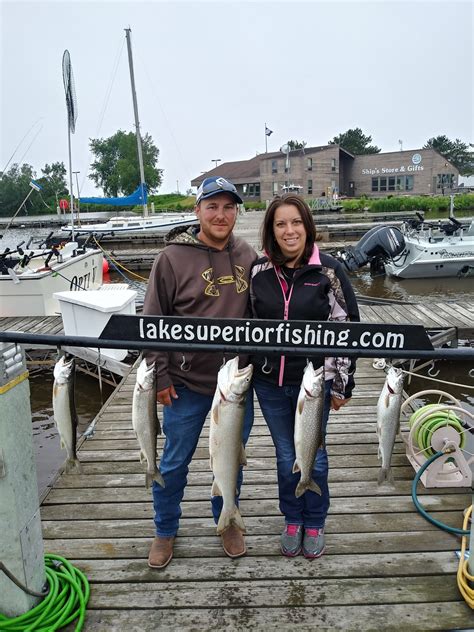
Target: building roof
[239, 169]
[245, 170]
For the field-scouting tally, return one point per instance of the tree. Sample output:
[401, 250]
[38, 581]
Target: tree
[457, 152]
[355, 141]
[54, 184]
[116, 168]
[14, 187]
[296, 144]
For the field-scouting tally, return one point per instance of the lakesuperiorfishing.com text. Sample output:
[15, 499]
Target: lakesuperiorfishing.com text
[282, 334]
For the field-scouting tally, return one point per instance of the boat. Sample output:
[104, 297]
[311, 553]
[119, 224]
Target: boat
[29, 278]
[137, 224]
[159, 224]
[434, 249]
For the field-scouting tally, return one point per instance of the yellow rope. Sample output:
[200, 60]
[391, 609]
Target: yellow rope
[463, 576]
[119, 265]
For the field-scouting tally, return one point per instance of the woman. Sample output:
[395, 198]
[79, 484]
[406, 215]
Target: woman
[294, 281]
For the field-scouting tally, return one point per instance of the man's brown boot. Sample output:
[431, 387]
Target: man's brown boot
[233, 542]
[161, 552]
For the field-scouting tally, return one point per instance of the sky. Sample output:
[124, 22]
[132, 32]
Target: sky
[210, 75]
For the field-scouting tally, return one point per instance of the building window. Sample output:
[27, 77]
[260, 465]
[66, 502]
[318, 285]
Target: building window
[274, 166]
[257, 189]
[309, 164]
[333, 164]
[444, 180]
[245, 188]
[251, 190]
[398, 183]
[275, 188]
[310, 187]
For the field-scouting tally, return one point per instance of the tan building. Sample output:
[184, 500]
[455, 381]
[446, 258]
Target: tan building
[316, 172]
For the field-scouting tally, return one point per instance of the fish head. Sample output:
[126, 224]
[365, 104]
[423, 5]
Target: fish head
[313, 380]
[232, 381]
[63, 369]
[145, 376]
[394, 380]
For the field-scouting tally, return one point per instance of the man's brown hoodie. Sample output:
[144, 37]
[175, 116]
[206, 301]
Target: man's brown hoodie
[191, 279]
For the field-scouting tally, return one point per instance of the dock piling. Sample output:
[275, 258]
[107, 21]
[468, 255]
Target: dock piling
[21, 542]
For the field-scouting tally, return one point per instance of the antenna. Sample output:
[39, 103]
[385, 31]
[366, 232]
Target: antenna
[71, 105]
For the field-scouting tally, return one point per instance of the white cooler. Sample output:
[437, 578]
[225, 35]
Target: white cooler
[86, 312]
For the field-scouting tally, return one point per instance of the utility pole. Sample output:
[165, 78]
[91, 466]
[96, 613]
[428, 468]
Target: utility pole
[216, 160]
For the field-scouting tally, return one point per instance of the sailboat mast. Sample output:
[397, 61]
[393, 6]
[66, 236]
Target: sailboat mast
[137, 123]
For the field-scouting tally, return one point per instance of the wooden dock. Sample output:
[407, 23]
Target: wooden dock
[385, 567]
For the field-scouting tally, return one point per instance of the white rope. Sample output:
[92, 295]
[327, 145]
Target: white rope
[433, 379]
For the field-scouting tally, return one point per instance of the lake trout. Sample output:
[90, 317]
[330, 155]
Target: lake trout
[388, 419]
[145, 421]
[226, 447]
[308, 432]
[64, 409]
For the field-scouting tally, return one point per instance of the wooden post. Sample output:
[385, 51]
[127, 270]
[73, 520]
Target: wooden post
[21, 542]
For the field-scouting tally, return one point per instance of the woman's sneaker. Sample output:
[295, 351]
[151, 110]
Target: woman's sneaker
[290, 540]
[313, 543]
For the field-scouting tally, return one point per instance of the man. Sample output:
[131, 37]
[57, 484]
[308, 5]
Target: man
[203, 271]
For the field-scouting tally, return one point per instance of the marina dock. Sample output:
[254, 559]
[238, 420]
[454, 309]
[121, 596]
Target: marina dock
[385, 567]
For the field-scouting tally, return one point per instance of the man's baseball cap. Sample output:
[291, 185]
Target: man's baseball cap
[214, 186]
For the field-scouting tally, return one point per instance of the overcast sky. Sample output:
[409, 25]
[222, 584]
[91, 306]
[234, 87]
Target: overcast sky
[209, 75]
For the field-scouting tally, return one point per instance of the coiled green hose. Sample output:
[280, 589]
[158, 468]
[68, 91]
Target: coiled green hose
[66, 600]
[423, 512]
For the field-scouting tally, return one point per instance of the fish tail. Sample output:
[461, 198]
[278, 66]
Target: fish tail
[230, 518]
[304, 486]
[385, 474]
[154, 476]
[73, 465]
[158, 478]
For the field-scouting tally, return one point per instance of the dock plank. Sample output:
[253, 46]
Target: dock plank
[385, 567]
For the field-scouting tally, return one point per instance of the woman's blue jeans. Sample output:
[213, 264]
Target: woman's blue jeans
[182, 425]
[278, 404]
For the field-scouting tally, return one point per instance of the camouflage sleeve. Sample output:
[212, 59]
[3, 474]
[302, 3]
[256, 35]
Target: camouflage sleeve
[343, 305]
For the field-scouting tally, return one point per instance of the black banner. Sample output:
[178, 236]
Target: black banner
[267, 335]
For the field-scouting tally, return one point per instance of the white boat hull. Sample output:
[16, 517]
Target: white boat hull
[130, 226]
[422, 259]
[30, 292]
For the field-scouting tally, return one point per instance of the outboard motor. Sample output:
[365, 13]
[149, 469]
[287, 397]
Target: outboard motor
[379, 243]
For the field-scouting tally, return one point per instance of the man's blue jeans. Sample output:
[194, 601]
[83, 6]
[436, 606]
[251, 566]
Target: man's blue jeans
[278, 404]
[182, 425]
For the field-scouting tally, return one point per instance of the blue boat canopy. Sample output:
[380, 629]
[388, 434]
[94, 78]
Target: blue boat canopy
[139, 196]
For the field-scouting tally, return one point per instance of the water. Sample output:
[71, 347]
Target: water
[413, 290]
[49, 456]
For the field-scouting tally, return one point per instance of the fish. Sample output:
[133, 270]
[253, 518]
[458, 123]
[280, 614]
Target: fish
[226, 448]
[308, 433]
[388, 420]
[145, 421]
[64, 410]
